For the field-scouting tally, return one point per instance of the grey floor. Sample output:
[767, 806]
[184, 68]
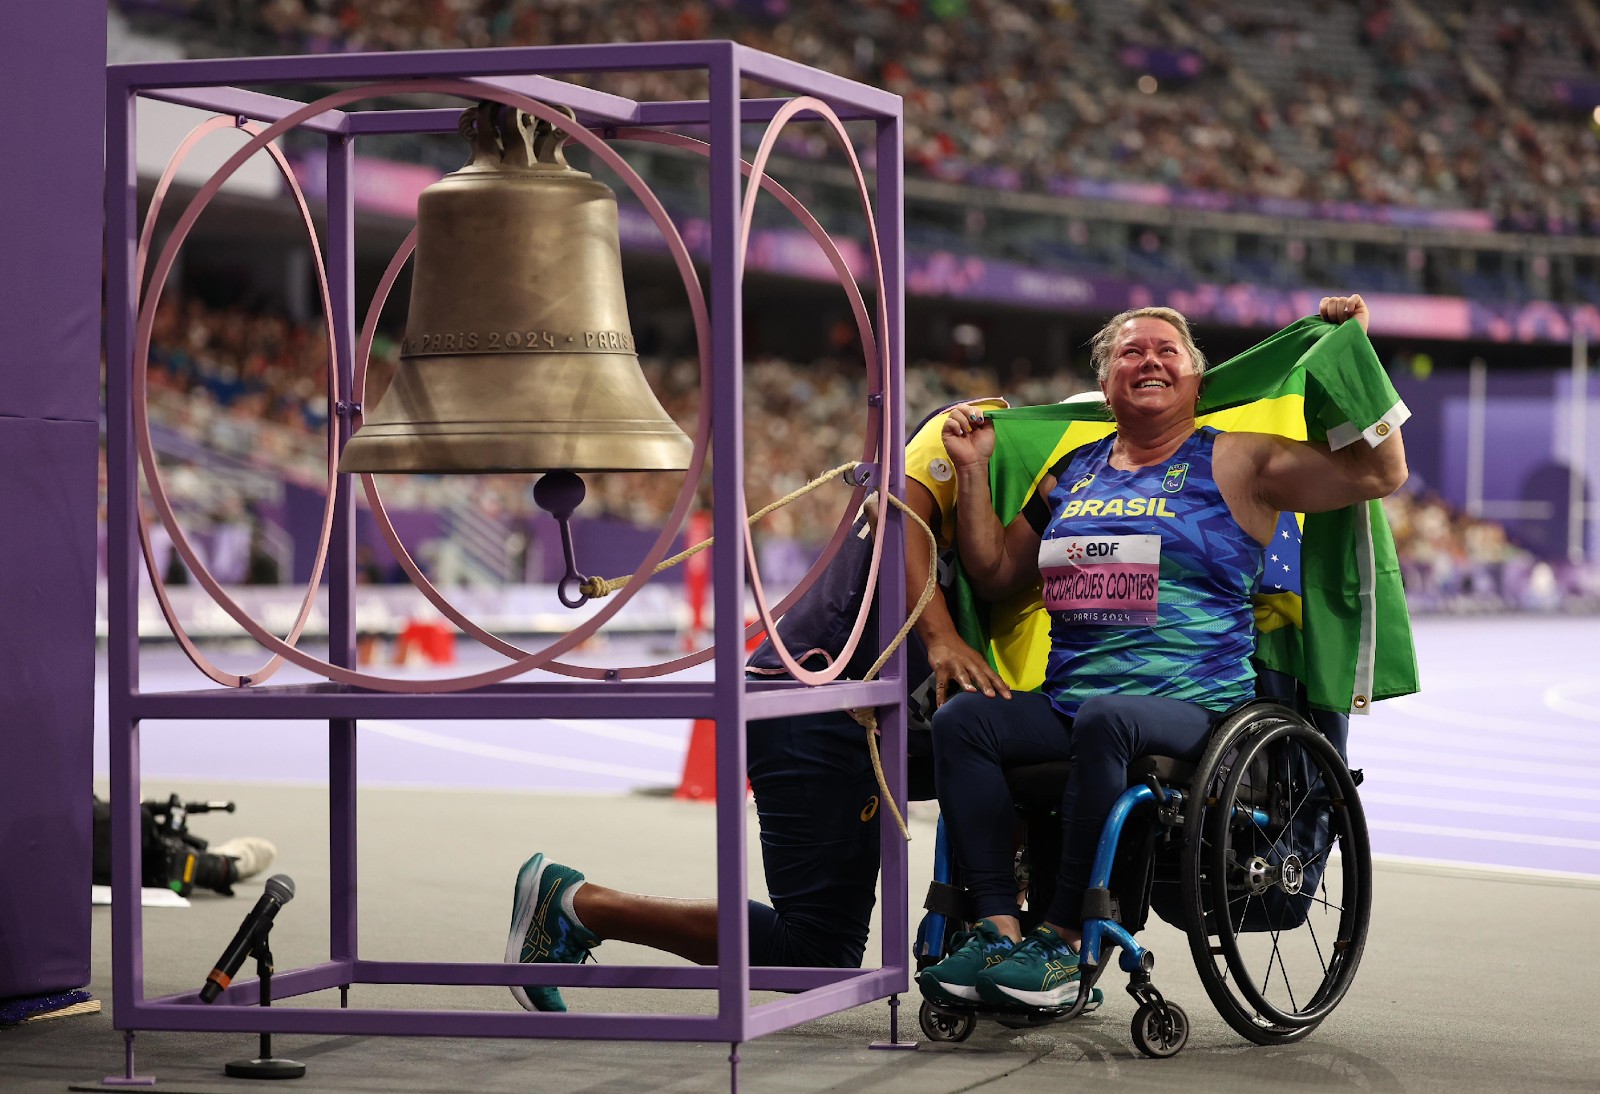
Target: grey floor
[1473, 979]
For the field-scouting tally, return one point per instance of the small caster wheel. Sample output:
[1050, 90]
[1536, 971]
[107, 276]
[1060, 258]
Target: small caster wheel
[945, 1025]
[1160, 1035]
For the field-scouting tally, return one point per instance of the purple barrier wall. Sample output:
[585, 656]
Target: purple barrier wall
[1526, 450]
[50, 236]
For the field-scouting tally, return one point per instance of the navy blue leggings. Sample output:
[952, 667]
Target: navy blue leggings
[976, 737]
[817, 800]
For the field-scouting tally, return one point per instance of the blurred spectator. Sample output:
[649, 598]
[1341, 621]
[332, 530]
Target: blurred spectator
[261, 567]
[1454, 562]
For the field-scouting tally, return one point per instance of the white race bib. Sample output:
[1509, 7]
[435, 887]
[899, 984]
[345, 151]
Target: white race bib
[1104, 580]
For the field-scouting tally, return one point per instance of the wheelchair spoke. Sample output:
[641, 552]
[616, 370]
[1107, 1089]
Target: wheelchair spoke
[1267, 979]
[1276, 933]
[1283, 971]
[1323, 961]
[1294, 813]
[1328, 905]
[1276, 957]
[1243, 912]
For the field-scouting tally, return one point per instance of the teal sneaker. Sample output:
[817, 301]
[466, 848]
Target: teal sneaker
[954, 980]
[1042, 971]
[541, 929]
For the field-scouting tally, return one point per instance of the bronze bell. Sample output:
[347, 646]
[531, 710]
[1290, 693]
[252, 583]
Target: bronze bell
[517, 355]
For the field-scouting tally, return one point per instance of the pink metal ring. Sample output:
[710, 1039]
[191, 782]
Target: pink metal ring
[500, 645]
[876, 352]
[468, 89]
[180, 542]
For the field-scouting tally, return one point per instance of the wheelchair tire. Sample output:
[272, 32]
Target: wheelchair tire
[945, 1025]
[1160, 1035]
[1275, 947]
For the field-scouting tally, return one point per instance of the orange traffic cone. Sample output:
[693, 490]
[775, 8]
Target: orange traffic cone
[425, 640]
[699, 782]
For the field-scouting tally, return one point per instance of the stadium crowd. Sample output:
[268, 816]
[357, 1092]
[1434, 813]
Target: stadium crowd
[252, 387]
[1450, 104]
[1455, 562]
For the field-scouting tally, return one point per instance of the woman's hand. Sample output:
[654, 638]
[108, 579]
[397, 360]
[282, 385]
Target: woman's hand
[1336, 309]
[958, 667]
[968, 436]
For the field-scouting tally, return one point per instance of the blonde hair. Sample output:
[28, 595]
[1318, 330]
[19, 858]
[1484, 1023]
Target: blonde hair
[1105, 342]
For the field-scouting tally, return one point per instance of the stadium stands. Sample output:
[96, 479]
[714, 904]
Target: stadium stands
[1457, 105]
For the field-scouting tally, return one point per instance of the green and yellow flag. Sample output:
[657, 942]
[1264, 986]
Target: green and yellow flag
[1332, 610]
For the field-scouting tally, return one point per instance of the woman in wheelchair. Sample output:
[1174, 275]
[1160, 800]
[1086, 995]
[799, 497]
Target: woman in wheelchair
[1149, 545]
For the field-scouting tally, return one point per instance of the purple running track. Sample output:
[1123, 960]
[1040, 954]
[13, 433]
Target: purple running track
[1495, 763]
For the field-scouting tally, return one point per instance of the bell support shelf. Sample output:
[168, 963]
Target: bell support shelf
[517, 101]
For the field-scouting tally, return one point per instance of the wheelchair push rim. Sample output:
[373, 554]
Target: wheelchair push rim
[1285, 949]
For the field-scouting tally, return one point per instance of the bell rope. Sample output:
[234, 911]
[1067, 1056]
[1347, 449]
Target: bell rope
[867, 717]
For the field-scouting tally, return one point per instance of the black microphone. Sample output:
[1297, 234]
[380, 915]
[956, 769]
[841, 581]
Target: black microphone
[280, 890]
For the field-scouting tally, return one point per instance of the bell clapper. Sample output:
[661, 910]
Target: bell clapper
[559, 493]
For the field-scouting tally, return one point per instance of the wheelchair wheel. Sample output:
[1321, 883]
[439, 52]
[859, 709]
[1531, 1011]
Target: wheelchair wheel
[945, 1025]
[1157, 1034]
[1277, 874]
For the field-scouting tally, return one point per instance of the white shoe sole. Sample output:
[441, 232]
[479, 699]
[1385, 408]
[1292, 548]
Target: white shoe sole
[521, 918]
[1063, 996]
[965, 992]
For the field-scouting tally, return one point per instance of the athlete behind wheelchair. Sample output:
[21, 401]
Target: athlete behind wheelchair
[1232, 815]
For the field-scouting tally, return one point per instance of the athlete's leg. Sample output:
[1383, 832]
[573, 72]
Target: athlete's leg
[975, 737]
[817, 800]
[1108, 732]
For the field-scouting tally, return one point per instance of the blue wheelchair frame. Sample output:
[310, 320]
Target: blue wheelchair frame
[1097, 931]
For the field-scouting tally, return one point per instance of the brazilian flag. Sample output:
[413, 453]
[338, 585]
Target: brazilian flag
[1332, 611]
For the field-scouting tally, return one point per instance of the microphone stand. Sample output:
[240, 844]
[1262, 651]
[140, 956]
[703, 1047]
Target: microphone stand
[265, 1065]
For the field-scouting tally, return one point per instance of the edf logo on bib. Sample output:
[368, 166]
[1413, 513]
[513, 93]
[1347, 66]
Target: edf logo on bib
[1077, 550]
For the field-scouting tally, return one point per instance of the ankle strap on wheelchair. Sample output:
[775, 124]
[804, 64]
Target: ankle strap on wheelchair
[946, 900]
[1100, 904]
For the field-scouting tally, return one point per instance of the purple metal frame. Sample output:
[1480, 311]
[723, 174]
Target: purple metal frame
[728, 698]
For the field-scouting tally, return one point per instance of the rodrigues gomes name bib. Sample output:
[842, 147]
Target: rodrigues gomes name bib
[1105, 580]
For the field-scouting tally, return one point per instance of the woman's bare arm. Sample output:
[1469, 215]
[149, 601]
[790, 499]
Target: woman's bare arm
[998, 559]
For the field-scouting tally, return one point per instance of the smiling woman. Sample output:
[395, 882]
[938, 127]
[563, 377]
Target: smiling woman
[1149, 545]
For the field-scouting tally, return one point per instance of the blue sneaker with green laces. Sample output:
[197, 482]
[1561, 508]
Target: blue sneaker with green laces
[954, 980]
[1042, 971]
[544, 927]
